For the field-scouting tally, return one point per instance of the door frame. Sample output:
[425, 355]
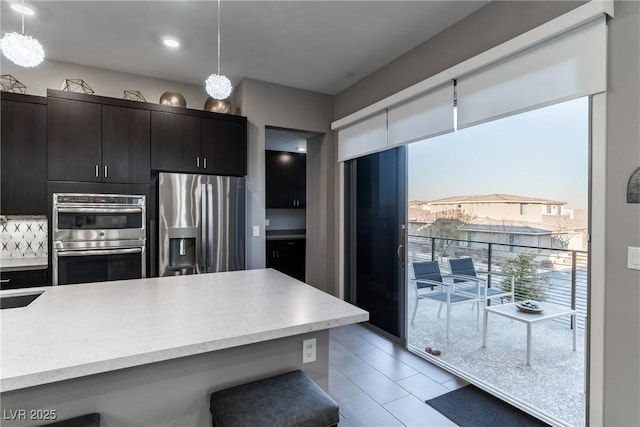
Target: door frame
[594, 333]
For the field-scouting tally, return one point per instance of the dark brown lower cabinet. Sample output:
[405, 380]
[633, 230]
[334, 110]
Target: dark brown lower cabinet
[23, 279]
[287, 256]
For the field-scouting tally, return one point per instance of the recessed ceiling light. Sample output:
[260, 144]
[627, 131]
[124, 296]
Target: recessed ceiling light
[22, 9]
[171, 42]
[301, 149]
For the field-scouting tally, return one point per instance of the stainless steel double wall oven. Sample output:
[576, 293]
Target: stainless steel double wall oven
[98, 237]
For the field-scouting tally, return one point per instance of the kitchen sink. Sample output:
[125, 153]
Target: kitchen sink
[21, 300]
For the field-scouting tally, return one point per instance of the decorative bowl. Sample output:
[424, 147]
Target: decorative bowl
[529, 307]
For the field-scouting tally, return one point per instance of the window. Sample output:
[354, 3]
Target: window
[523, 209]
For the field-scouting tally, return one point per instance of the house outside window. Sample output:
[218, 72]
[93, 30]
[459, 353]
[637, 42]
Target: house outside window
[523, 208]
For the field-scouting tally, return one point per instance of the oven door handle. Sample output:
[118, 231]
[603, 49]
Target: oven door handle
[100, 252]
[99, 210]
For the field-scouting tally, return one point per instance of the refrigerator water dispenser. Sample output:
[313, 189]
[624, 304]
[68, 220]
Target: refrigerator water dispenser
[182, 250]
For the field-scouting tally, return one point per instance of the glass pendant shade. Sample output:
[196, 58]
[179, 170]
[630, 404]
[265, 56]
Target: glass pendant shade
[218, 86]
[22, 49]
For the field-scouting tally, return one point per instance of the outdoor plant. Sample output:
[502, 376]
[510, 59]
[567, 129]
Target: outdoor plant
[528, 283]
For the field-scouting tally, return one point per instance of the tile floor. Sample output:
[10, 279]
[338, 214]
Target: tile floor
[377, 383]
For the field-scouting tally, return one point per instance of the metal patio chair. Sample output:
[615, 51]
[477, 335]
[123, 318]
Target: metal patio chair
[467, 280]
[428, 275]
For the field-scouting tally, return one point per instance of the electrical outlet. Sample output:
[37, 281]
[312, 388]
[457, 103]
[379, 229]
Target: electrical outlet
[256, 231]
[309, 350]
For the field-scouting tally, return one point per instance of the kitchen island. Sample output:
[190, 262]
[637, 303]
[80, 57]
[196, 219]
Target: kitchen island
[150, 351]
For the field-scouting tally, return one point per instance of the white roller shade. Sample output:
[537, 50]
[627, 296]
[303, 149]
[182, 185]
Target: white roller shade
[565, 67]
[365, 137]
[426, 116]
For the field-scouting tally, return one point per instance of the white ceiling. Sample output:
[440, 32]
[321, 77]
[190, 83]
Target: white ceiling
[323, 46]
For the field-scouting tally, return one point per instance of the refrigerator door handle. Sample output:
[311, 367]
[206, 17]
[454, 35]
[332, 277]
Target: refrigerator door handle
[212, 263]
[203, 229]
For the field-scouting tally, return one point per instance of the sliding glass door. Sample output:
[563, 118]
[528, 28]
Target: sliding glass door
[376, 214]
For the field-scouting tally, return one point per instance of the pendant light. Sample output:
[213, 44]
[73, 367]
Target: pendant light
[217, 85]
[22, 49]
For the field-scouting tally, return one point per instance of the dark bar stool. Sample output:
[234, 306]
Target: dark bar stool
[88, 420]
[290, 399]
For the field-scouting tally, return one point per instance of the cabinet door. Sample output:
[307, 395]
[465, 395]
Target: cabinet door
[74, 140]
[287, 256]
[292, 254]
[298, 180]
[24, 158]
[272, 260]
[175, 142]
[126, 145]
[278, 185]
[224, 147]
[23, 279]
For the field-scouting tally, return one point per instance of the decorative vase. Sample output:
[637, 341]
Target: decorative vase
[217, 105]
[173, 98]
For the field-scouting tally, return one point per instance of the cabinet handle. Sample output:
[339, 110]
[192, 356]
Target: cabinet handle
[198, 161]
[97, 171]
[204, 162]
[5, 280]
[106, 173]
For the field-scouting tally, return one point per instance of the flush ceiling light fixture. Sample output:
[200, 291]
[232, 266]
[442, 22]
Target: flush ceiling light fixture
[217, 85]
[171, 42]
[22, 49]
[22, 9]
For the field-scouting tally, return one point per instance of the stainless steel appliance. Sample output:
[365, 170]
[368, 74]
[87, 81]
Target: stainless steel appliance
[98, 237]
[201, 224]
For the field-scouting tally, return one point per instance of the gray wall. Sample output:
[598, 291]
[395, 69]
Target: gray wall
[51, 75]
[489, 26]
[501, 21]
[267, 104]
[622, 300]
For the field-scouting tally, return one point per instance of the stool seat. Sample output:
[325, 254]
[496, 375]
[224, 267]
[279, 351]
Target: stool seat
[88, 420]
[290, 399]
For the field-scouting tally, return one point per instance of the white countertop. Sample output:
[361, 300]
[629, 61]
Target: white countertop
[77, 330]
[24, 263]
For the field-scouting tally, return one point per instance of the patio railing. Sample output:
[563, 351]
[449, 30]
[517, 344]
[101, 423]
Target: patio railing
[565, 269]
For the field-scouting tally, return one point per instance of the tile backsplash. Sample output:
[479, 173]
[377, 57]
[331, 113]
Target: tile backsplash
[23, 236]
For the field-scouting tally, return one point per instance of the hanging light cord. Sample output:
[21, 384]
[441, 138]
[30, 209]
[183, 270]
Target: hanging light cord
[22, 14]
[218, 35]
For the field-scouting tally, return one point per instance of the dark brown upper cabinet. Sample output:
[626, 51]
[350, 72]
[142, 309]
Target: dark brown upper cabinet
[175, 142]
[126, 145]
[286, 181]
[193, 144]
[88, 141]
[24, 155]
[224, 147]
[75, 140]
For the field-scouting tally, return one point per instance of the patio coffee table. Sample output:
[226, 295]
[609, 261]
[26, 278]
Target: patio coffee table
[550, 310]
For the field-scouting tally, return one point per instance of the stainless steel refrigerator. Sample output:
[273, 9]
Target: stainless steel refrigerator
[201, 224]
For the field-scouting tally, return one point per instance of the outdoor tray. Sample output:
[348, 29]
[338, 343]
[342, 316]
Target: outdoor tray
[527, 309]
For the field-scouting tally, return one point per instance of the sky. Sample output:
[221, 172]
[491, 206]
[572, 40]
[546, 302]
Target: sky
[541, 153]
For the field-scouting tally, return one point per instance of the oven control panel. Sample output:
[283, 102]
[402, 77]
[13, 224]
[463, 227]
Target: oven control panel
[99, 199]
